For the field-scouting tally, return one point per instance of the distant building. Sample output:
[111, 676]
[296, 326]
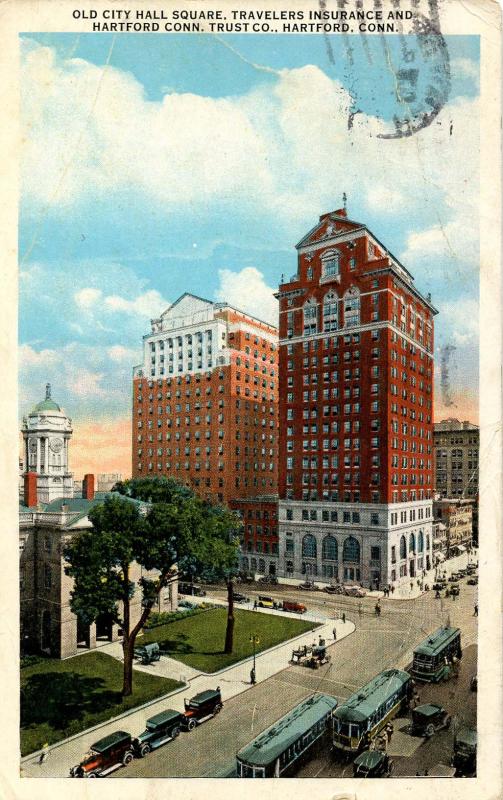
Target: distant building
[205, 401]
[106, 481]
[456, 458]
[440, 544]
[457, 516]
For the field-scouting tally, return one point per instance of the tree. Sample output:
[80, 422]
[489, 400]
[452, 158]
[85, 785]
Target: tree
[219, 558]
[102, 559]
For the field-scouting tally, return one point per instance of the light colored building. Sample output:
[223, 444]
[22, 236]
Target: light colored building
[456, 458]
[46, 435]
[440, 544]
[356, 427]
[457, 515]
[106, 481]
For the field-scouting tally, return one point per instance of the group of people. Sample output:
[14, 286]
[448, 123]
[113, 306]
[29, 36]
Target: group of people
[382, 741]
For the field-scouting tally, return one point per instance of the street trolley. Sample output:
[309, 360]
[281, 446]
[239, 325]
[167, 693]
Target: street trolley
[281, 748]
[360, 718]
[433, 658]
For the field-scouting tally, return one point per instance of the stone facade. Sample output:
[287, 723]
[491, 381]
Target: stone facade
[457, 516]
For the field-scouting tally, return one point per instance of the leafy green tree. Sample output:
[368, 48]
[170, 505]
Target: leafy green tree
[101, 560]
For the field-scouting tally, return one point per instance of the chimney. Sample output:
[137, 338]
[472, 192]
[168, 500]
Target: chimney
[30, 489]
[88, 487]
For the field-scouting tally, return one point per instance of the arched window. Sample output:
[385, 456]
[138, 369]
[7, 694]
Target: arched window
[330, 264]
[428, 542]
[351, 550]
[412, 543]
[310, 317]
[403, 547]
[352, 307]
[329, 548]
[420, 542]
[330, 312]
[309, 546]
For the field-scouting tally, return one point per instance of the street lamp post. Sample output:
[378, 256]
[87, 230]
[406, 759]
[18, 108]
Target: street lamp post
[254, 639]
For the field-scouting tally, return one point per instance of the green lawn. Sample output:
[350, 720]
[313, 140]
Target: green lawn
[60, 698]
[199, 641]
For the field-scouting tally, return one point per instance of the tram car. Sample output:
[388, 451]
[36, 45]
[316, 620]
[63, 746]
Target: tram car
[283, 747]
[433, 656]
[360, 718]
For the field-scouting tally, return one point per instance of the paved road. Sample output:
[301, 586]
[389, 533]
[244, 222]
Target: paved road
[377, 644]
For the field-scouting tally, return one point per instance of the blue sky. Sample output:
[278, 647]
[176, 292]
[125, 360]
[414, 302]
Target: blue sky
[163, 164]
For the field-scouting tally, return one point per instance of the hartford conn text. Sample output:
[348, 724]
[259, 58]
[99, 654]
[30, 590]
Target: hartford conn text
[242, 21]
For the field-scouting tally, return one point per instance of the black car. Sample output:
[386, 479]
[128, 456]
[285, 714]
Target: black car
[464, 757]
[201, 707]
[372, 764]
[439, 585]
[106, 755]
[240, 598]
[473, 580]
[160, 729]
[429, 718]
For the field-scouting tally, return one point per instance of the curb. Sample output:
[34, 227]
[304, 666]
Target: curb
[33, 756]
[35, 753]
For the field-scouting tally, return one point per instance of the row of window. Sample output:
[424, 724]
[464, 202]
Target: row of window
[354, 495]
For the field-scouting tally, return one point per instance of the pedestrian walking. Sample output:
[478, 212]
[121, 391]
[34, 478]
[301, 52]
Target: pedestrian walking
[253, 677]
[476, 610]
[392, 589]
[343, 617]
[360, 609]
[389, 731]
[255, 606]
[335, 633]
[411, 585]
[44, 755]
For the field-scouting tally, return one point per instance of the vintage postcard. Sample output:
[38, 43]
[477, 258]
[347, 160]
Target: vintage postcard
[252, 433]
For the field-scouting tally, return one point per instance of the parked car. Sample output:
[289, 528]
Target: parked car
[333, 589]
[354, 591]
[454, 589]
[473, 580]
[439, 585]
[186, 604]
[240, 598]
[429, 718]
[292, 605]
[372, 764]
[106, 755]
[462, 572]
[452, 578]
[308, 586]
[266, 602]
[464, 756]
[471, 567]
[201, 707]
[159, 729]
[191, 589]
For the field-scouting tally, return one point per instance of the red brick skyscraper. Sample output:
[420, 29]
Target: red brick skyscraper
[205, 401]
[356, 400]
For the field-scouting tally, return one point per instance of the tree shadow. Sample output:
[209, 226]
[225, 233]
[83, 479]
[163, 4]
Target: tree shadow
[59, 699]
[179, 645]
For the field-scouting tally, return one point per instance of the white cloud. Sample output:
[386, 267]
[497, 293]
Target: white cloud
[460, 319]
[83, 383]
[149, 304]
[119, 353]
[29, 357]
[466, 68]
[248, 291]
[87, 297]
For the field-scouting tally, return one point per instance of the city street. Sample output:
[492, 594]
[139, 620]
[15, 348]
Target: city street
[377, 644]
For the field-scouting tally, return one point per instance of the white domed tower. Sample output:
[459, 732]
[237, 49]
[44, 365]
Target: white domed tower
[46, 434]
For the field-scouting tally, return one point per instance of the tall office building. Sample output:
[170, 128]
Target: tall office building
[456, 458]
[356, 400]
[205, 401]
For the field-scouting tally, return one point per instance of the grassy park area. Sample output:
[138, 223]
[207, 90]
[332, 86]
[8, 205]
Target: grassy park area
[199, 641]
[60, 698]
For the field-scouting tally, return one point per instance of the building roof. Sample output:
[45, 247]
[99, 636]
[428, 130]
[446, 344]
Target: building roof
[266, 747]
[437, 641]
[47, 404]
[360, 705]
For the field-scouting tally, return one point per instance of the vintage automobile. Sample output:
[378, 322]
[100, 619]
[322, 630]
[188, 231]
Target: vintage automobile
[201, 707]
[461, 572]
[240, 598]
[454, 589]
[354, 591]
[429, 718]
[106, 755]
[293, 605]
[308, 586]
[191, 589]
[372, 764]
[313, 656]
[464, 756]
[159, 729]
[471, 568]
[148, 653]
[266, 602]
[453, 578]
[333, 589]
[439, 585]
[473, 580]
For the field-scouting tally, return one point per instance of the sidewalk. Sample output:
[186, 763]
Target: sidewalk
[232, 681]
